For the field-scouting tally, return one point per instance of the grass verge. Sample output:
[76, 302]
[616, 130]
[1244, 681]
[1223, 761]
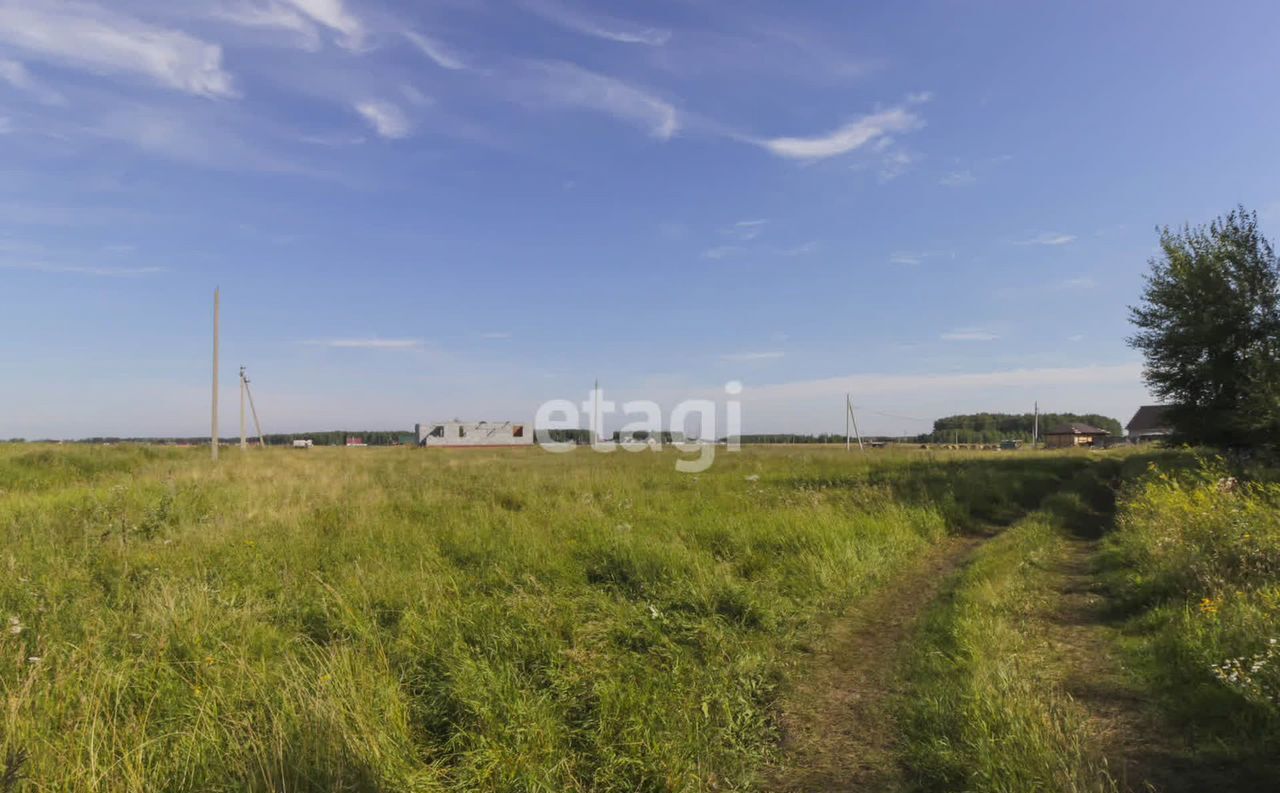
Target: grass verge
[1195, 559]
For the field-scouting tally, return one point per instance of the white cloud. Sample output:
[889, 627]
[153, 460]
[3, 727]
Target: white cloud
[436, 51]
[271, 15]
[958, 178]
[1047, 238]
[333, 14]
[895, 163]
[385, 118]
[969, 334]
[101, 41]
[572, 86]
[746, 230]
[917, 257]
[852, 136]
[496, 335]
[1076, 337]
[16, 75]
[597, 26]
[369, 344]
[110, 272]
[752, 356]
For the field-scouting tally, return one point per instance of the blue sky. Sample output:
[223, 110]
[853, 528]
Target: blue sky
[420, 211]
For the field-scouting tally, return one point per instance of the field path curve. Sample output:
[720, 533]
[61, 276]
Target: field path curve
[838, 727]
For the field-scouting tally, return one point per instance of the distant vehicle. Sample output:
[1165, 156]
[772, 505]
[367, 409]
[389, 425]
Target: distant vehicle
[1010, 445]
[305, 443]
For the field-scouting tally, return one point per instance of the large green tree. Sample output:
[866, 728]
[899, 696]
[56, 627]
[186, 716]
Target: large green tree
[1209, 327]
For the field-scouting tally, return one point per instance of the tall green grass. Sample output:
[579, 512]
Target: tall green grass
[1196, 555]
[985, 710]
[409, 620]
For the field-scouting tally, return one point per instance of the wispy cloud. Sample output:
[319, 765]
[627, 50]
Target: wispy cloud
[802, 249]
[334, 15]
[374, 343]
[1076, 337]
[722, 251]
[386, 119]
[17, 76]
[894, 163]
[969, 334]
[435, 51]
[1047, 238]
[912, 258]
[958, 178]
[271, 16]
[848, 138]
[568, 85]
[102, 41]
[75, 269]
[195, 138]
[746, 230]
[496, 335]
[752, 356]
[601, 27]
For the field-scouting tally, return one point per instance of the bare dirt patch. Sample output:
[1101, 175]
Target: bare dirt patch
[838, 727]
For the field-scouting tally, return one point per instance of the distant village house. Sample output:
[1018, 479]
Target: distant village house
[1150, 423]
[1066, 436]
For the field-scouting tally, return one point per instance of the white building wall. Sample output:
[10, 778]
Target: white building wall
[479, 433]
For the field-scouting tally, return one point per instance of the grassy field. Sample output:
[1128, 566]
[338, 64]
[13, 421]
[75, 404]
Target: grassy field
[403, 620]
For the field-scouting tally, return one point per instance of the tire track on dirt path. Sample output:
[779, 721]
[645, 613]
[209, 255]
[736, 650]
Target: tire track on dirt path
[838, 728]
[1144, 753]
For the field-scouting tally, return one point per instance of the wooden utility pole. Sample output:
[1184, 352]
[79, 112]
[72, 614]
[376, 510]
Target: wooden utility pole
[1035, 427]
[213, 425]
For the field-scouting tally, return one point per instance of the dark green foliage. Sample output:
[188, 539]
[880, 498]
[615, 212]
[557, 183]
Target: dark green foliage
[995, 427]
[1209, 327]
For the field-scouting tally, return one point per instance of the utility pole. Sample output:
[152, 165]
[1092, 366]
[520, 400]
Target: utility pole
[262, 442]
[596, 429]
[1035, 427]
[213, 425]
[850, 417]
[244, 444]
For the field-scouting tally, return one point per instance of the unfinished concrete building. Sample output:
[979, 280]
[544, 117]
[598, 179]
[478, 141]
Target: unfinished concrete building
[471, 434]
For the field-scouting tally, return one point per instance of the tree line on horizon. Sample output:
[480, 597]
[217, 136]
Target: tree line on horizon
[996, 427]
